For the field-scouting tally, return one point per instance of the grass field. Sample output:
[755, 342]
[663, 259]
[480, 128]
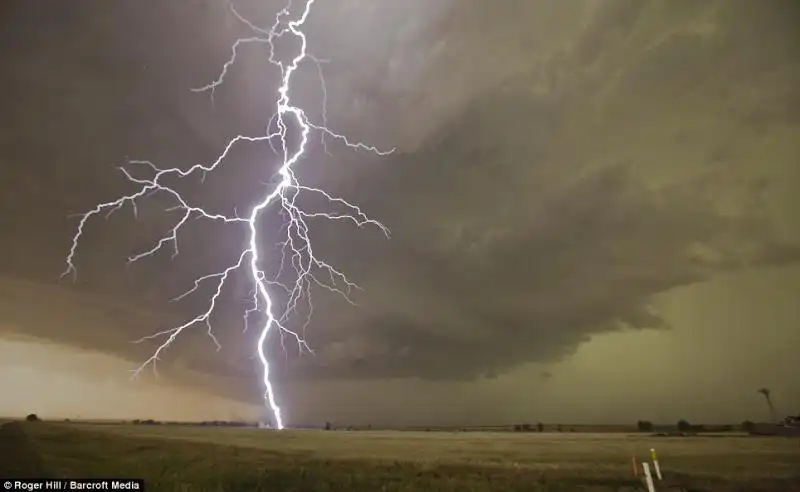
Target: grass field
[230, 459]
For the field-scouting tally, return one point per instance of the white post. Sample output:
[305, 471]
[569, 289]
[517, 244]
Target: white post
[655, 464]
[648, 477]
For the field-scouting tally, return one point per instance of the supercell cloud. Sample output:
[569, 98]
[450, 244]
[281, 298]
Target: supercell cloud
[560, 166]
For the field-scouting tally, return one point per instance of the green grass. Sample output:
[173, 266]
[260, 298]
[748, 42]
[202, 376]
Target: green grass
[231, 460]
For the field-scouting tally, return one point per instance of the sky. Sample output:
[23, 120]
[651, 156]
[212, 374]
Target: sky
[592, 208]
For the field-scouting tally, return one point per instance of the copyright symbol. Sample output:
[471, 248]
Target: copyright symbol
[7, 485]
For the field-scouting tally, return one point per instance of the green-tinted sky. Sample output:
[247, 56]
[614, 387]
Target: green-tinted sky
[592, 205]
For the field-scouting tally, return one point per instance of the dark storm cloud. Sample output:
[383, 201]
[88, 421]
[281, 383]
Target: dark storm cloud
[590, 258]
[524, 215]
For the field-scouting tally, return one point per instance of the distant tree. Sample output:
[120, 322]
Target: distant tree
[727, 428]
[748, 426]
[558, 428]
[644, 426]
[540, 427]
[369, 426]
[526, 428]
[518, 428]
[684, 426]
[327, 426]
[32, 417]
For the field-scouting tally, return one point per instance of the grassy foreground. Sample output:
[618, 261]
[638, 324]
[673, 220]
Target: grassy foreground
[231, 460]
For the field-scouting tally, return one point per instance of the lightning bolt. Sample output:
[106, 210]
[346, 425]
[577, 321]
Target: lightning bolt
[296, 248]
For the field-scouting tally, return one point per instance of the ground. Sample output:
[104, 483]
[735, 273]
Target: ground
[173, 458]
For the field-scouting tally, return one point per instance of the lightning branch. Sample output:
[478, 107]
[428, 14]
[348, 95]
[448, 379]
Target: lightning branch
[297, 255]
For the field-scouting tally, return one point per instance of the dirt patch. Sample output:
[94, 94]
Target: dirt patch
[18, 457]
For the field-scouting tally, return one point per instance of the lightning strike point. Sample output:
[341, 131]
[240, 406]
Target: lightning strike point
[295, 246]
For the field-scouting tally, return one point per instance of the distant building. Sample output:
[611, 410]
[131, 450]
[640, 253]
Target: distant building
[789, 426]
[791, 421]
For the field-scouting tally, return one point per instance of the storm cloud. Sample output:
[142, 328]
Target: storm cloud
[559, 166]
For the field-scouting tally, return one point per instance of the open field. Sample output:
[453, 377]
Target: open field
[244, 459]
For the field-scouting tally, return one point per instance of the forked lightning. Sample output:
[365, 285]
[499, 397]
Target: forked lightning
[295, 247]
